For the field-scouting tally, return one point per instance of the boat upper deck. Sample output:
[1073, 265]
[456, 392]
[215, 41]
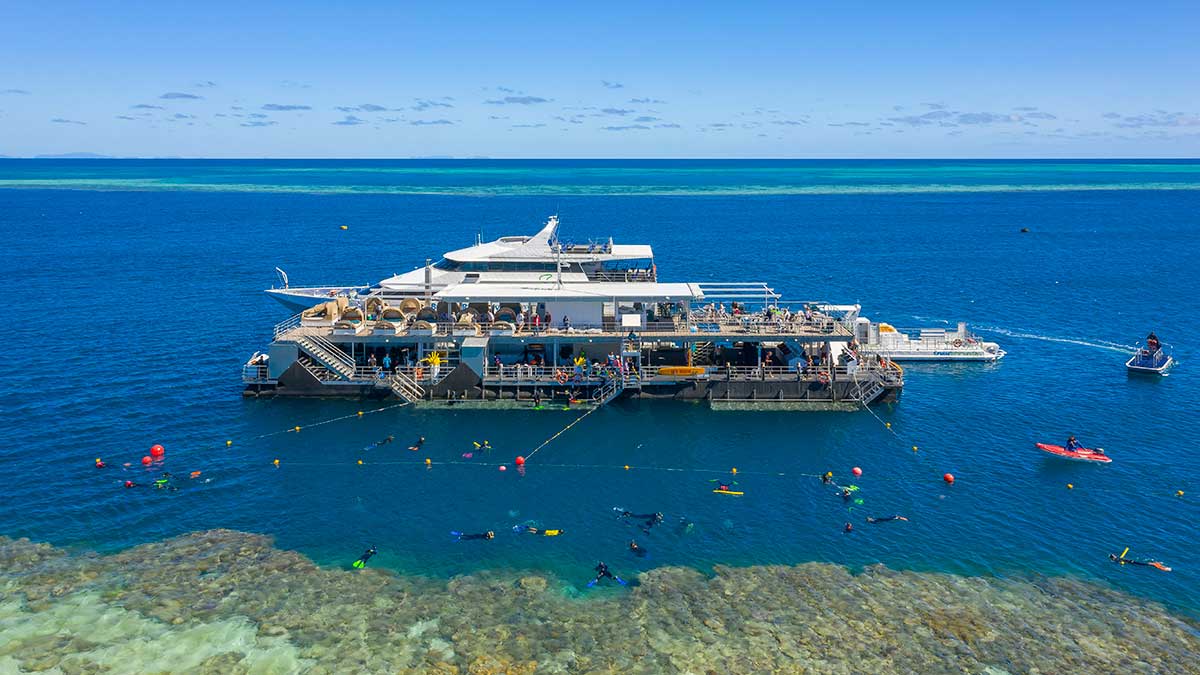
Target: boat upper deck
[696, 325]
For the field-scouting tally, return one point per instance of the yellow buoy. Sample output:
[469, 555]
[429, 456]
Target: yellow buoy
[297, 428]
[733, 470]
[360, 413]
[1070, 486]
[626, 467]
[228, 443]
[428, 461]
[360, 461]
[914, 448]
[1179, 493]
[345, 227]
[276, 462]
[888, 424]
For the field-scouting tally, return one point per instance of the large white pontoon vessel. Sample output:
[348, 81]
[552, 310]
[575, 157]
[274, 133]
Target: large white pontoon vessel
[522, 320]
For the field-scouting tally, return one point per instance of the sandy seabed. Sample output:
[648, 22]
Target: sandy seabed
[229, 602]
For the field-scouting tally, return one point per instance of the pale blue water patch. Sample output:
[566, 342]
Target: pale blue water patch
[130, 312]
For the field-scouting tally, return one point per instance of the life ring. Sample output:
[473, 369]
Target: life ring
[958, 342]
[823, 377]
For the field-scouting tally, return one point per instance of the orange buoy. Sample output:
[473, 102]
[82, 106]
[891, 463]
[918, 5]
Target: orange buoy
[856, 471]
[519, 461]
[949, 477]
[147, 460]
[157, 451]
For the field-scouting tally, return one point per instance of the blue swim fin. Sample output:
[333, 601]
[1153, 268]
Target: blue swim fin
[620, 580]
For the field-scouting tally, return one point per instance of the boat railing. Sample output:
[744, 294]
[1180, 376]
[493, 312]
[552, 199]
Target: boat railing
[622, 276]
[253, 372]
[287, 324]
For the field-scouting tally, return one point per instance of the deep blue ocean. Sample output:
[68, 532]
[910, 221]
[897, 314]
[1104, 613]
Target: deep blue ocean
[133, 296]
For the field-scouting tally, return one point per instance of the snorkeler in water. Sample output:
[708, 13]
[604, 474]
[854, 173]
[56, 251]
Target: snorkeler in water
[530, 529]
[385, 441]
[468, 537]
[848, 528]
[416, 446]
[827, 479]
[685, 526]
[164, 482]
[845, 494]
[649, 520]
[485, 446]
[1121, 559]
[637, 550]
[603, 573]
[362, 559]
[885, 519]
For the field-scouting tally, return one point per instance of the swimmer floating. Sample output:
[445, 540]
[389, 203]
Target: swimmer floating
[1122, 560]
[469, 537]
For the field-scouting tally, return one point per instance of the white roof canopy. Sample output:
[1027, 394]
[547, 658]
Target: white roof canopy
[598, 292]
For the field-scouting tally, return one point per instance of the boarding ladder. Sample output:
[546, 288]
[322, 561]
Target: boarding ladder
[327, 354]
[865, 392]
[405, 388]
[608, 391]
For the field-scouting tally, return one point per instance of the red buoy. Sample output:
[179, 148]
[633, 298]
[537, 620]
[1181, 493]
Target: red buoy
[949, 478]
[157, 450]
[856, 471]
[128, 483]
[503, 468]
[146, 460]
[520, 461]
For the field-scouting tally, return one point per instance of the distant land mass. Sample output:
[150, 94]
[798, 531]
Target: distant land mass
[75, 155]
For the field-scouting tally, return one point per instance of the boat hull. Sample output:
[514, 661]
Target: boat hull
[939, 355]
[1141, 366]
[300, 299]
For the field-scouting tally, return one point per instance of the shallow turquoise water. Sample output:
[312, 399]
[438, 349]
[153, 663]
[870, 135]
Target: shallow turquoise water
[132, 307]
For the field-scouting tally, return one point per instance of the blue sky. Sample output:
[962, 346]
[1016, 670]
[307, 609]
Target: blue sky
[614, 79]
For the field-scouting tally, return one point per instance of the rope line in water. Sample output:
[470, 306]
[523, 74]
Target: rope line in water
[561, 432]
[360, 413]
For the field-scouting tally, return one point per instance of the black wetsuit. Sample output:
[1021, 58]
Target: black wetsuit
[362, 559]
[637, 550]
[885, 519]
[602, 572]
[649, 519]
[484, 535]
[385, 441]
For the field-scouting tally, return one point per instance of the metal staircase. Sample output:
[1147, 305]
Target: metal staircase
[608, 391]
[702, 353]
[865, 392]
[318, 371]
[327, 354]
[405, 388]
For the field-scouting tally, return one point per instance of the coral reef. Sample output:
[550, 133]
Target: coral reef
[229, 602]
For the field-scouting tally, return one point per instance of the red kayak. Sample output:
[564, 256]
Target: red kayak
[1082, 454]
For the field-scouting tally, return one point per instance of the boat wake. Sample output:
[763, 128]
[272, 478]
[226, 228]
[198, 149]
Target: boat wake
[1024, 335]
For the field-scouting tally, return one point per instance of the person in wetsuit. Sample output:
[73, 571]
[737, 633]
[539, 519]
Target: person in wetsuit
[530, 529]
[362, 559]
[827, 479]
[468, 537]
[845, 494]
[1073, 444]
[885, 519]
[649, 520]
[1121, 559]
[416, 446]
[385, 441]
[637, 550]
[603, 573]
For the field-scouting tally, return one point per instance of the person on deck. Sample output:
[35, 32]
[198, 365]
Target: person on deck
[1073, 445]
